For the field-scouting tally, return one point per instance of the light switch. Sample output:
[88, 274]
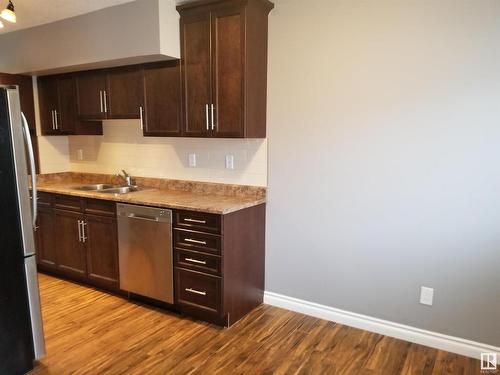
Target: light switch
[426, 295]
[79, 154]
[192, 160]
[229, 161]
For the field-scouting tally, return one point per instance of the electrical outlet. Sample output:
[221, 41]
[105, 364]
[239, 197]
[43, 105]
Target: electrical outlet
[426, 296]
[229, 161]
[192, 160]
[79, 154]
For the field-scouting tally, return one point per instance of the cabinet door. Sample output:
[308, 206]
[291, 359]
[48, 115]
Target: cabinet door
[125, 92]
[66, 113]
[48, 97]
[162, 107]
[91, 95]
[196, 77]
[228, 41]
[70, 250]
[102, 250]
[45, 244]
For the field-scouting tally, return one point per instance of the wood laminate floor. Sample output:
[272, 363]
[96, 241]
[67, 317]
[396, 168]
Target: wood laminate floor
[91, 332]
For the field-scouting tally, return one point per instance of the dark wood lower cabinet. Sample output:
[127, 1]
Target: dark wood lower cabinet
[218, 259]
[102, 254]
[46, 251]
[219, 275]
[199, 295]
[77, 244]
[69, 247]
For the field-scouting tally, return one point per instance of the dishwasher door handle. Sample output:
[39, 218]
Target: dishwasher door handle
[147, 218]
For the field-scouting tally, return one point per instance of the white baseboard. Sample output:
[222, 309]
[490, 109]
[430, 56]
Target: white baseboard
[400, 331]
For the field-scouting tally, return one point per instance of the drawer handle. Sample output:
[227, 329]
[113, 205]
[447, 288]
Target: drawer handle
[196, 221]
[195, 261]
[195, 241]
[190, 290]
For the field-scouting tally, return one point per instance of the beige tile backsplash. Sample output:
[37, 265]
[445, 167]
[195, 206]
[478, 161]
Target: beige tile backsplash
[123, 147]
[54, 153]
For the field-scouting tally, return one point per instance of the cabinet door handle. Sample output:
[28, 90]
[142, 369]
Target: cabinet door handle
[191, 290]
[195, 241]
[84, 237]
[141, 116]
[53, 122]
[213, 122]
[79, 231]
[105, 101]
[206, 116]
[56, 121]
[100, 100]
[195, 261]
[196, 221]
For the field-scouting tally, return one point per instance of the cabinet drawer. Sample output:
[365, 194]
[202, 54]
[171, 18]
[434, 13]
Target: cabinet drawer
[197, 261]
[44, 199]
[98, 207]
[191, 240]
[198, 221]
[68, 202]
[198, 290]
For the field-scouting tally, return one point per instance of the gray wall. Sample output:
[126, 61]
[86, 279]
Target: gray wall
[384, 159]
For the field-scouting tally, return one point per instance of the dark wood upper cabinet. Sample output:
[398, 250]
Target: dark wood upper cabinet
[116, 93]
[49, 102]
[66, 116]
[228, 67]
[57, 104]
[25, 84]
[162, 90]
[76, 103]
[91, 95]
[196, 77]
[125, 93]
[217, 89]
[224, 67]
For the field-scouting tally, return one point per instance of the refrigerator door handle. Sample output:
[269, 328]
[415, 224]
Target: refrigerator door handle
[31, 154]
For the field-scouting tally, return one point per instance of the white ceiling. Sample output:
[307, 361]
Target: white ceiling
[38, 12]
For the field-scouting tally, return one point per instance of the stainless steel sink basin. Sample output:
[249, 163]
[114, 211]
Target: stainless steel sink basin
[108, 188]
[120, 190]
[95, 187]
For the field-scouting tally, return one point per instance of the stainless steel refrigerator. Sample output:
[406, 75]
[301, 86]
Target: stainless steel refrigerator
[21, 331]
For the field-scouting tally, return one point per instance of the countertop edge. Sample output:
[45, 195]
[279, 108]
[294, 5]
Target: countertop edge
[129, 199]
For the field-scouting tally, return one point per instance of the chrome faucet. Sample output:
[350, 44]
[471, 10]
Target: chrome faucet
[126, 177]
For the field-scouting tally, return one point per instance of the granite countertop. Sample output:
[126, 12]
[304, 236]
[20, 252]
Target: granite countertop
[175, 194]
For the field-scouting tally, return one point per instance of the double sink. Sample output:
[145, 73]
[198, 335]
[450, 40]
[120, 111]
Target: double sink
[108, 188]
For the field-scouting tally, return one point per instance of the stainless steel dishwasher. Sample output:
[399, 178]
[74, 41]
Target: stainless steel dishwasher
[145, 251]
